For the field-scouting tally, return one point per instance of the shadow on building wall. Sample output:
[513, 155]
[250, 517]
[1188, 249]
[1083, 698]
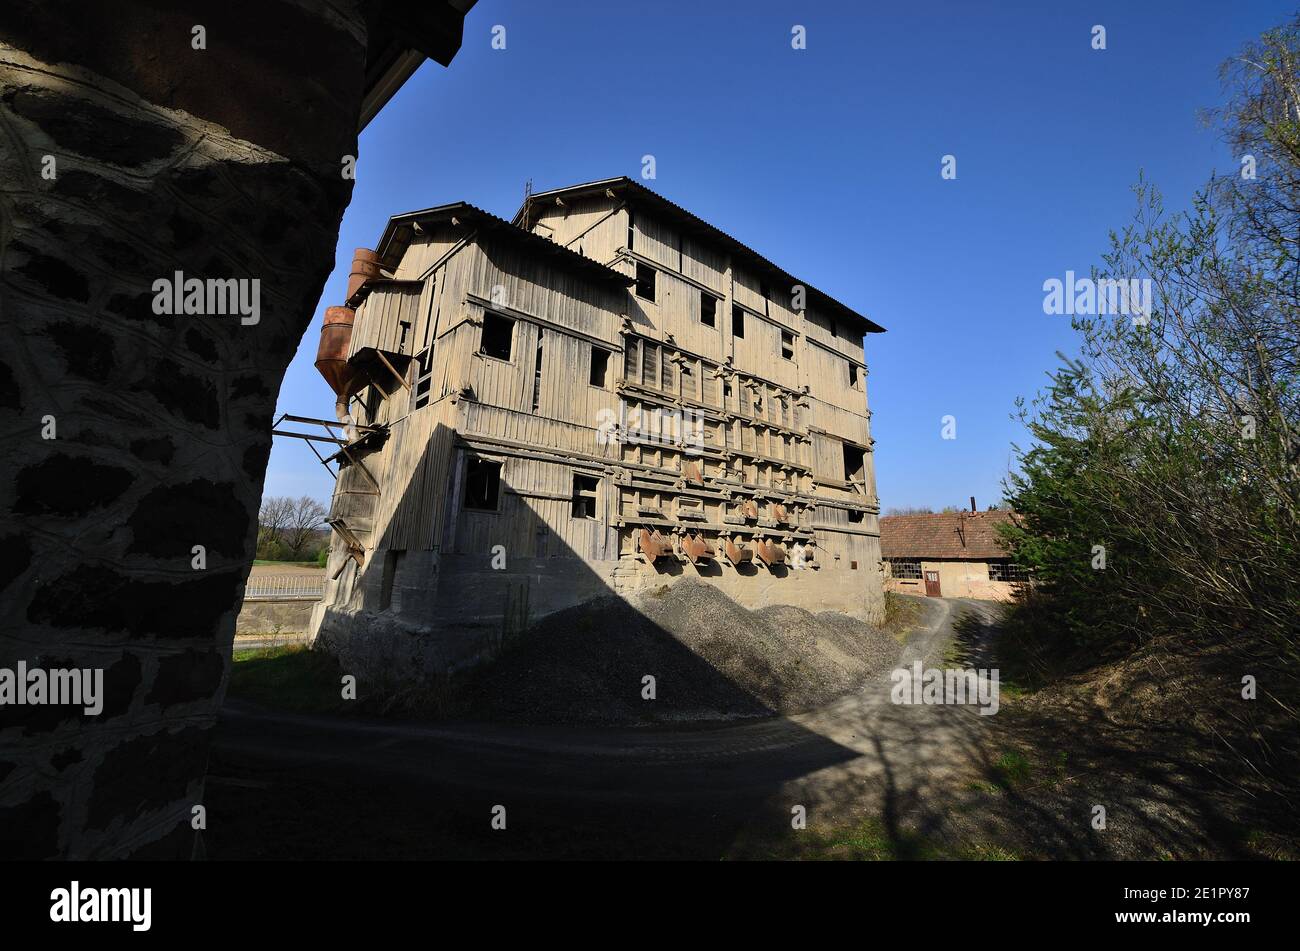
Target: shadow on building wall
[586, 651]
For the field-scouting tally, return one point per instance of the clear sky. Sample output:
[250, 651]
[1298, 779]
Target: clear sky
[827, 160]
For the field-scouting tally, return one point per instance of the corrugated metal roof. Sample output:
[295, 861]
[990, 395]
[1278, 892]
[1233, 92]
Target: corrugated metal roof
[640, 192]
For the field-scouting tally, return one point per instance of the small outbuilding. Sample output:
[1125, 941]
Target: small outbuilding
[949, 554]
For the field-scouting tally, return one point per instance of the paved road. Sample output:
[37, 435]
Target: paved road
[860, 749]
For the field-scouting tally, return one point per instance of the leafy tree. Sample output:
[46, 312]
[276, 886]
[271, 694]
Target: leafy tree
[1170, 447]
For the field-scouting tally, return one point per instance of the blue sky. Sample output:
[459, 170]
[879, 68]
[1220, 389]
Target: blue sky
[827, 160]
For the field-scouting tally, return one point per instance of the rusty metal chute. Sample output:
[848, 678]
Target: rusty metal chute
[697, 549]
[653, 545]
[737, 554]
[356, 550]
[769, 552]
[749, 509]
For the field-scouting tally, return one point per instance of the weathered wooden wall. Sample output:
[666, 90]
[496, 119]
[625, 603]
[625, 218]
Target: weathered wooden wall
[761, 425]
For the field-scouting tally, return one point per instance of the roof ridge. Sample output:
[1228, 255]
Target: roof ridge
[520, 216]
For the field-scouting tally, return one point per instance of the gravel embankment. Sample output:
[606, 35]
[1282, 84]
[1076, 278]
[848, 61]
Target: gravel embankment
[711, 659]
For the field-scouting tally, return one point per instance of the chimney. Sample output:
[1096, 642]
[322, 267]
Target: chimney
[972, 504]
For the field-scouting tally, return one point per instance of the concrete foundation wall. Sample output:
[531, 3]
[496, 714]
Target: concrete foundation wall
[454, 614]
[269, 616]
[957, 579]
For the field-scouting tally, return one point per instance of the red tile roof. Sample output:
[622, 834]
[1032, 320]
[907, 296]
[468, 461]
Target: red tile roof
[946, 535]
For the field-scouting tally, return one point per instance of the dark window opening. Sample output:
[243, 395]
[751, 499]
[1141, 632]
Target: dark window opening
[645, 281]
[584, 496]
[853, 374]
[537, 371]
[905, 568]
[630, 229]
[855, 460]
[423, 378]
[787, 345]
[372, 403]
[708, 310]
[1007, 571]
[853, 566]
[482, 485]
[856, 516]
[498, 336]
[599, 367]
[738, 323]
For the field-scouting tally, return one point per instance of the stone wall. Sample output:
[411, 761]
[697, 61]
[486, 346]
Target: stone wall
[275, 615]
[128, 155]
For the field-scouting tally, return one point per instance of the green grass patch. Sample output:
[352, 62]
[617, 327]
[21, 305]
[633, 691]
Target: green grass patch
[291, 677]
[901, 614]
[870, 840]
[984, 852]
[1012, 769]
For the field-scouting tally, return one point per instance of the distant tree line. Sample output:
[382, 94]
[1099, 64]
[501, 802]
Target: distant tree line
[291, 529]
[926, 510]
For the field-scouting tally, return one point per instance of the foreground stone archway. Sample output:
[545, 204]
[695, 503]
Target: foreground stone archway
[136, 441]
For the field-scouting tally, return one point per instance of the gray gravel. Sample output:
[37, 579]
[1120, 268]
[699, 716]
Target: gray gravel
[712, 660]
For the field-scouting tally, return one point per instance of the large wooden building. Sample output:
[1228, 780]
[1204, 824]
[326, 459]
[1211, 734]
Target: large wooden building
[601, 396]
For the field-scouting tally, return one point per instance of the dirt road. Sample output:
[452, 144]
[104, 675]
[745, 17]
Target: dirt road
[595, 792]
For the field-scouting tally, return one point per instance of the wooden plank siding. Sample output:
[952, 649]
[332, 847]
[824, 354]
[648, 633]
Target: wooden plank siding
[771, 429]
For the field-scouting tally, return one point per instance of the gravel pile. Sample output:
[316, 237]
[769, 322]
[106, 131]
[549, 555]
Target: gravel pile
[711, 659]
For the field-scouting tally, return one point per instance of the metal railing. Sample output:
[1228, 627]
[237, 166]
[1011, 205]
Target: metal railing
[286, 587]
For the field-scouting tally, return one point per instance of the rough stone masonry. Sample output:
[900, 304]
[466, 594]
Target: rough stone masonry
[135, 145]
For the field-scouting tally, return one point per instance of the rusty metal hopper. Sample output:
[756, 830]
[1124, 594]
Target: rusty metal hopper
[737, 554]
[779, 513]
[332, 354]
[365, 268]
[653, 545]
[769, 553]
[696, 548]
[749, 508]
